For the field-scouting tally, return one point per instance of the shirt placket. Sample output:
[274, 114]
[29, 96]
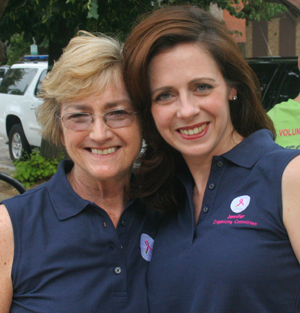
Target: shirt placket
[115, 250]
[218, 168]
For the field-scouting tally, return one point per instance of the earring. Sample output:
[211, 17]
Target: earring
[234, 98]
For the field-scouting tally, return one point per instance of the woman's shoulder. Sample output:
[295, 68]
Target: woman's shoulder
[6, 258]
[275, 154]
[20, 206]
[40, 193]
[292, 170]
[5, 222]
[291, 202]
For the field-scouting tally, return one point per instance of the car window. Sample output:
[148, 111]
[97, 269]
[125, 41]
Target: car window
[264, 72]
[291, 85]
[16, 81]
[38, 87]
[2, 72]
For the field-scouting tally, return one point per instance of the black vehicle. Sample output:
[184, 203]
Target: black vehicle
[279, 78]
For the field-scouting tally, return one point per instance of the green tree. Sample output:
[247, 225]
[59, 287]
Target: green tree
[252, 9]
[59, 20]
[18, 47]
[3, 4]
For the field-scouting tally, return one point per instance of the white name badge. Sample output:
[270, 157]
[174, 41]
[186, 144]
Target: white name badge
[240, 204]
[147, 244]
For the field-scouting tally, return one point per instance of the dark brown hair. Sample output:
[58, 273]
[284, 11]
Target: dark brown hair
[166, 28]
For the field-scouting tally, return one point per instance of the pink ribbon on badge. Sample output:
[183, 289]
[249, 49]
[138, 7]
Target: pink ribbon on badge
[148, 246]
[241, 202]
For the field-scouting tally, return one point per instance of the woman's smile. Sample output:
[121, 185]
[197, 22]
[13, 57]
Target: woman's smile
[104, 151]
[191, 131]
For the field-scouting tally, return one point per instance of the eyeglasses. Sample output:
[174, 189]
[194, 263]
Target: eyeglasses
[113, 119]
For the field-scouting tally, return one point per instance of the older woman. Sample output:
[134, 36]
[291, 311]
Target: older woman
[78, 243]
[233, 242]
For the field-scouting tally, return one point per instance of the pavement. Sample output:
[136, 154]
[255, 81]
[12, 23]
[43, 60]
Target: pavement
[7, 167]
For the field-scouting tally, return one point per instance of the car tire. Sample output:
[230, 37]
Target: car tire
[18, 144]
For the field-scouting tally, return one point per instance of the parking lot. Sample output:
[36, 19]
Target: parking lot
[7, 167]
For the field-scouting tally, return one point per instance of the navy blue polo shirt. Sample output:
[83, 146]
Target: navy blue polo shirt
[237, 258]
[69, 257]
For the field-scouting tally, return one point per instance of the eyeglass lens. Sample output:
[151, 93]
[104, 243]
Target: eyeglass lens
[113, 119]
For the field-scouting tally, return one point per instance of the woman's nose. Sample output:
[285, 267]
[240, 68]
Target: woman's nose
[99, 131]
[187, 107]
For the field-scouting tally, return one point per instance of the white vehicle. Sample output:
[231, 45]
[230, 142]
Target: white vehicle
[18, 102]
[3, 70]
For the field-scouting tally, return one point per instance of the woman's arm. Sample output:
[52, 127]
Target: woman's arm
[6, 259]
[291, 203]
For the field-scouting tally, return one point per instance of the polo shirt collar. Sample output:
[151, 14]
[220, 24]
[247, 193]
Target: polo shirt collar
[65, 200]
[251, 149]
[245, 154]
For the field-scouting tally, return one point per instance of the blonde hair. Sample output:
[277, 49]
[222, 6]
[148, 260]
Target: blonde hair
[87, 66]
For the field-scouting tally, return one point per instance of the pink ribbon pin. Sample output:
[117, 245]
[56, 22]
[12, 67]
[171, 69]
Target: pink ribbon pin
[241, 202]
[148, 246]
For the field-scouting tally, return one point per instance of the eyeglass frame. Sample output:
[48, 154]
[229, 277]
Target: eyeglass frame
[130, 114]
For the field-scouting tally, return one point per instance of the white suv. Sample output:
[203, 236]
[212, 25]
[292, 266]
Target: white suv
[3, 70]
[18, 102]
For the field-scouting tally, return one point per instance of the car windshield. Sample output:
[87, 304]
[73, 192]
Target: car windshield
[16, 81]
[264, 72]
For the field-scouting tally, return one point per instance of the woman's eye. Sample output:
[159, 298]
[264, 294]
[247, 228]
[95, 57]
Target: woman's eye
[203, 87]
[118, 114]
[163, 97]
[78, 117]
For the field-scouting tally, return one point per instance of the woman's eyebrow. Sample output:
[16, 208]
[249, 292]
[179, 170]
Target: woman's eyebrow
[76, 106]
[201, 79]
[164, 88]
[113, 104]
[106, 106]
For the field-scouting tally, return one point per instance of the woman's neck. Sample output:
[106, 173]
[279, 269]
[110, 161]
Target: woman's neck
[109, 195]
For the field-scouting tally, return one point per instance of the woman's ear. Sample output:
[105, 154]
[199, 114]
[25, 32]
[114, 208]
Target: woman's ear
[62, 139]
[232, 94]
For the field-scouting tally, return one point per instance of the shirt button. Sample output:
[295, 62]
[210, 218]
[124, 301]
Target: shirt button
[219, 163]
[123, 223]
[211, 186]
[121, 247]
[104, 224]
[205, 209]
[118, 270]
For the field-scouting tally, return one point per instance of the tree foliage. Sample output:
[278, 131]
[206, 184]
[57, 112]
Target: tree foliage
[18, 47]
[253, 9]
[50, 18]
[58, 19]
[248, 9]
[3, 4]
